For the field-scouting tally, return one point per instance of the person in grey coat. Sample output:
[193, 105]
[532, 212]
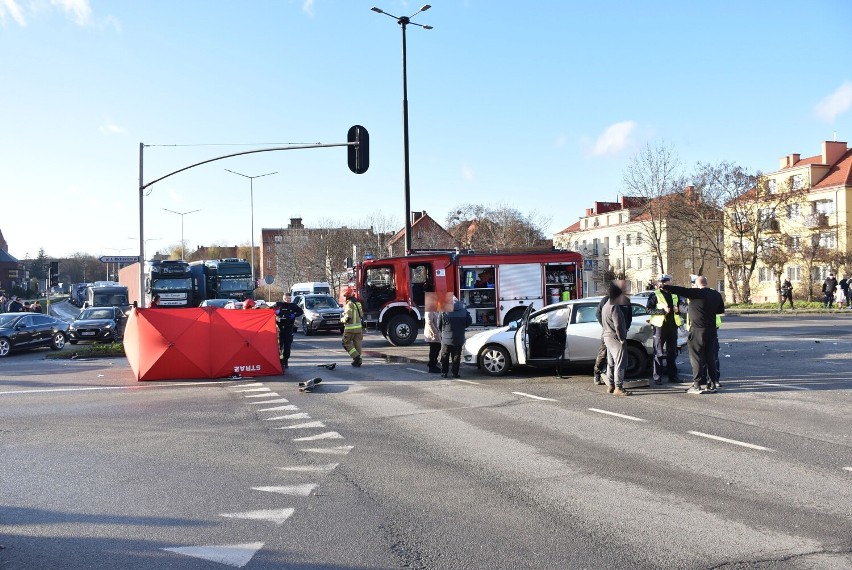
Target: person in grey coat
[615, 327]
[452, 338]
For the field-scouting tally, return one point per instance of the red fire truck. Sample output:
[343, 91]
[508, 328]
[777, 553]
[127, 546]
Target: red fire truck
[496, 288]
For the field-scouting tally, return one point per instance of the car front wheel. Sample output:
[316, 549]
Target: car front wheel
[5, 347]
[58, 341]
[494, 360]
[306, 328]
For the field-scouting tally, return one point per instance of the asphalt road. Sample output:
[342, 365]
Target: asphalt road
[387, 466]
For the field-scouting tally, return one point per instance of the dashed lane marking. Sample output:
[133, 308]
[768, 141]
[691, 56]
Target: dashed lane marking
[533, 397]
[299, 416]
[279, 401]
[303, 490]
[236, 555]
[93, 388]
[468, 382]
[847, 468]
[254, 390]
[310, 468]
[285, 417]
[420, 371]
[277, 516]
[304, 425]
[732, 441]
[617, 415]
[790, 386]
[339, 450]
[267, 395]
[246, 385]
[325, 435]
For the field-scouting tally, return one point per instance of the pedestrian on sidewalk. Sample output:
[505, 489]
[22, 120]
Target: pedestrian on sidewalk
[452, 338]
[786, 293]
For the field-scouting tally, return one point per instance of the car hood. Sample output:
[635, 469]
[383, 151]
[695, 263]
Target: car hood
[92, 322]
[492, 335]
[326, 311]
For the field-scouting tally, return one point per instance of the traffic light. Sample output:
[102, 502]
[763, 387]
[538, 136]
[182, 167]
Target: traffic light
[358, 154]
[54, 273]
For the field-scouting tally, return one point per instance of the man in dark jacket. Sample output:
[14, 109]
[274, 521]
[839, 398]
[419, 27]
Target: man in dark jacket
[664, 309]
[452, 338]
[828, 288]
[704, 305]
[286, 313]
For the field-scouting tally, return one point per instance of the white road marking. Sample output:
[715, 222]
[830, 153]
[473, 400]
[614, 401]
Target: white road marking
[339, 450]
[304, 425]
[286, 417]
[91, 388]
[848, 468]
[325, 435]
[299, 416]
[310, 468]
[236, 555]
[246, 385]
[268, 395]
[420, 371]
[290, 407]
[733, 441]
[298, 490]
[468, 382]
[279, 401]
[790, 386]
[617, 415]
[533, 397]
[277, 516]
[254, 390]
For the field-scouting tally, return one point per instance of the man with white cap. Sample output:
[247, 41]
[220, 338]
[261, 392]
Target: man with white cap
[665, 310]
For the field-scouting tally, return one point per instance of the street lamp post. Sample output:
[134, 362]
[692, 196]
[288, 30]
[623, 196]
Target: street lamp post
[116, 265]
[251, 198]
[144, 249]
[403, 21]
[182, 243]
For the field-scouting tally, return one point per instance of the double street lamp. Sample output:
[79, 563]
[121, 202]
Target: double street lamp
[251, 197]
[403, 21]
[182, 243]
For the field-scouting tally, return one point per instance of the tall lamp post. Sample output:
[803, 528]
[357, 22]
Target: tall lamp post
[403, 21]
[116, 265]
[144, 249]
[182, 243]
[251, 198]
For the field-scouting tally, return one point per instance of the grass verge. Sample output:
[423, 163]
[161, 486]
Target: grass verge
[87, 351]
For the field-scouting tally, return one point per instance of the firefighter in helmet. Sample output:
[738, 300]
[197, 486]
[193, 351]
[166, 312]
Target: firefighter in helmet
[353, 330]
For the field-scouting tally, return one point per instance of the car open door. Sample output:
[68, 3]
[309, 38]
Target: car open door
[522, 342]
[583, 337]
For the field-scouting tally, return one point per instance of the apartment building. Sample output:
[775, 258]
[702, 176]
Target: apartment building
[616, 238]
[807, 217]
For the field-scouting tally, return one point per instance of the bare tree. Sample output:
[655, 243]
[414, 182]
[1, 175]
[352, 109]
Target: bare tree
[653, 177]
[497, 227]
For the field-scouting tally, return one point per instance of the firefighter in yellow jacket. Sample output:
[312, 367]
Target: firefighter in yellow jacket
[353, 331]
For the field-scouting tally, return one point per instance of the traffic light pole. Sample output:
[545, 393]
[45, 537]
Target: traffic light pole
[359, 144]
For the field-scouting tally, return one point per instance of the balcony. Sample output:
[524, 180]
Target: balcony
[772, 226]
[816, 221]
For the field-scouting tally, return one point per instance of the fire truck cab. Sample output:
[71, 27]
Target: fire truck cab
[496, 288]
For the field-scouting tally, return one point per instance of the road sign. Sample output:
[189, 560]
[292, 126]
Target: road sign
[118, 259]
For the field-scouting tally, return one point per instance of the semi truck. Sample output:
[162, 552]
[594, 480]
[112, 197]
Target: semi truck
[77, 293]
[171, 279]
[496, 288]
[221, 279]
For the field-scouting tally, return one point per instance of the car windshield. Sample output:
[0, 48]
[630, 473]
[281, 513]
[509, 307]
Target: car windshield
[8, 319]
[321, 302]
[235, 284]
[172, 284]
[96, 314]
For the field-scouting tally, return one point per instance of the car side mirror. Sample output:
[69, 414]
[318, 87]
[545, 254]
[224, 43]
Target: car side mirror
[513, 326]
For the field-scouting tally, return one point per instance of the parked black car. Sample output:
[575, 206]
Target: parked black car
[97, 324]
[21, 331]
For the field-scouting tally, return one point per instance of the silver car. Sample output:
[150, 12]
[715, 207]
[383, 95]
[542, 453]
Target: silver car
[322, 313]
[563, 333]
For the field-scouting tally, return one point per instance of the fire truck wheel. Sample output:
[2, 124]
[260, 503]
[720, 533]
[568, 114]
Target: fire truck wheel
[402, 330]
[637, 361]
[495, 360]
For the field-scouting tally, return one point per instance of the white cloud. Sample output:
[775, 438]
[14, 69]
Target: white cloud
[467, 172]
[79, 10]
[308, 7]
[835, 104]
[560, 141]
[614, 139]
[111, 128]
[10, 9]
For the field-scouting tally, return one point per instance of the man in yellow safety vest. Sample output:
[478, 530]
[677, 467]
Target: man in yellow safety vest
[665, 310]
[353, 332]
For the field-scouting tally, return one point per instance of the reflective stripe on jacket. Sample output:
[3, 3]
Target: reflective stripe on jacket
[352, 316]
[658, 320]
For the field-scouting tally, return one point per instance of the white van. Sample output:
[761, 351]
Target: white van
[311, 288]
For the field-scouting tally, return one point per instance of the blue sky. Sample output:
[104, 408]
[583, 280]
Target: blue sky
[536, 105]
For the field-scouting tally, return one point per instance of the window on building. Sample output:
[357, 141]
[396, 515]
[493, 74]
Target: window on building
[797, 182]
[618, 264]
[638, 239]
[794, 273]
[720, 285]
[638, 263]
[792, 211]
[268, 264]
[629, 264]
[278, 239]
[628, 239]
[793, 243]
[586, 223]
[718, 262]
[827, 240]
[772, 186]
[822, 207]
[765, 274]
[617, 241]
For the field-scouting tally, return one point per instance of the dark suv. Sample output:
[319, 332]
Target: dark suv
[322, 313]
